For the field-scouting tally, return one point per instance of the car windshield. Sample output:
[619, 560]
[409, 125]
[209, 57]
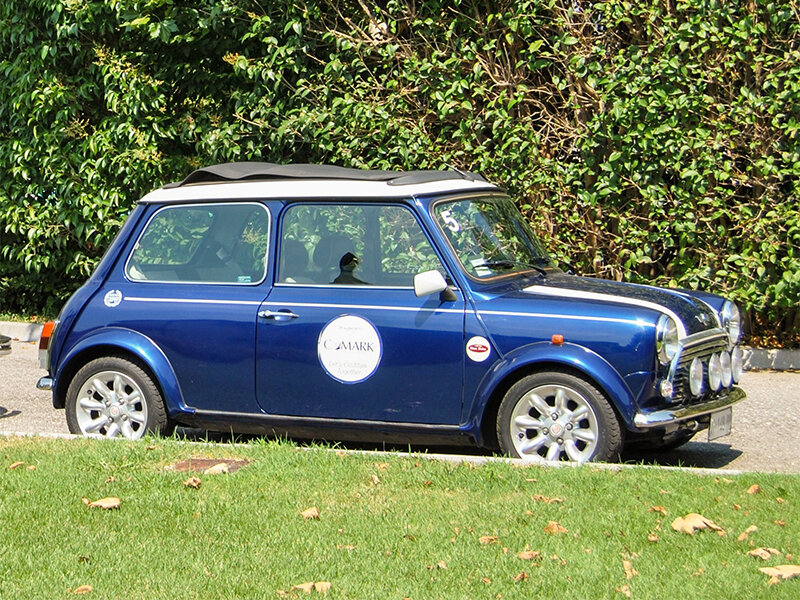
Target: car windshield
[490, 237]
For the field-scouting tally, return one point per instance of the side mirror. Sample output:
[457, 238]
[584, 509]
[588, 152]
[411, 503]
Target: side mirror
[432, 282]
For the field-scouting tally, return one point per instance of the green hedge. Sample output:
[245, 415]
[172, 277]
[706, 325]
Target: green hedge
[650, 141]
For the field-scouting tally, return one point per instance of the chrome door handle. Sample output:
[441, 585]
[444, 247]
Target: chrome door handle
[277, 315]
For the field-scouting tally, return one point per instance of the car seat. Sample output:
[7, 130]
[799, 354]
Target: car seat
[328, 252]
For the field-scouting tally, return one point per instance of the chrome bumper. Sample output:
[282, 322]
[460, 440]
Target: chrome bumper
[45, 383]
[661, 418]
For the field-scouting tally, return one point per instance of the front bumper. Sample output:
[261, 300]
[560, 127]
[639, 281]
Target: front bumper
[666, 417]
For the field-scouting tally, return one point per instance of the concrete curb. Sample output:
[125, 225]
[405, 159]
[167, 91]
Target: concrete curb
[767, 359]
[23, 332]
[755, 359]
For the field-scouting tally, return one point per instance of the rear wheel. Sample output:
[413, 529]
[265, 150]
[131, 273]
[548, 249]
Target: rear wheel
[558, 416]
[114, 397]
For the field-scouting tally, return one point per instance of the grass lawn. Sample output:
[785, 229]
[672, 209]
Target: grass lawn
[388, 527]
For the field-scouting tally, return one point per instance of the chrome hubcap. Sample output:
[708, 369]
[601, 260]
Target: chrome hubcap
[556, 423]
[112, 404]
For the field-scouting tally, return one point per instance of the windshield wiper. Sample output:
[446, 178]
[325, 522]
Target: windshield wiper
[499, 264]
[510, 264]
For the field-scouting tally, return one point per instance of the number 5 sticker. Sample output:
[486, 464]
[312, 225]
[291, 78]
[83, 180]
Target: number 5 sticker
[450, 221]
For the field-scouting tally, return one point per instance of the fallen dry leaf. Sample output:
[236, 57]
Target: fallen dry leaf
[307, 587]
[15, 465]
[193, 482]
[754, 489]
[625, 591]
[630, 572]
[486, 580]
[746, 533]
[322, 587]
[659, 509]
[780, 500]
[31, 467]
[652, 538]
[201, 465]
[780, 522]
[530, 555]
[545, 499]
[110, 503]
[781, 572]
[382, 466]
[520, 577]
[554, 528]
[764, 553]
[695, 522]
[218, 469]
[83, 589]
[375, 479]
[488, 539]
[310, 513]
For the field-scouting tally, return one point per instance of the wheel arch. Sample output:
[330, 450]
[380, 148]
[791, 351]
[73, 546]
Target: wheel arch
[125, 344]
[540, 357]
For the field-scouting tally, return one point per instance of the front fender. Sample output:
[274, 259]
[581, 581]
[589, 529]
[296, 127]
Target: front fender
[110, 340]
[525, 359]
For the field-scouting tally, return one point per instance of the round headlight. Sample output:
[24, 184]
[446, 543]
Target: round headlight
[727, 374]
[715, 372]
[737, 364]
[696, 377]
[666, 339]
[731, 321]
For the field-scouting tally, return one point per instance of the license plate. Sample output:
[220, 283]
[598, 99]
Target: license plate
[720, 424]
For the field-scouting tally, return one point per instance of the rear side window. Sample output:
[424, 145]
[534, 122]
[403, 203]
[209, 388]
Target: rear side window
[209, 243]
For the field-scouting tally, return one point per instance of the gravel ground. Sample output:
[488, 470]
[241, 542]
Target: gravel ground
[765, 438]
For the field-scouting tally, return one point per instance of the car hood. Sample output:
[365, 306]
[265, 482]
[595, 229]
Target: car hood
[691, 314]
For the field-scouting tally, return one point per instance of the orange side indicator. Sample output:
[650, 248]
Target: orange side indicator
[557, 339]
[47, 332]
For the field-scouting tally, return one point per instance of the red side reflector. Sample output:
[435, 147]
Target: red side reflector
[47, 331]
[557, 339]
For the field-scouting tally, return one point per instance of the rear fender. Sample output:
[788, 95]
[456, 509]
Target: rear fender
[115, 340]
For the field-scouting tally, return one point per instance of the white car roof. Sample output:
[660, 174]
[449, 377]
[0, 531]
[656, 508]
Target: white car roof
[233, 181]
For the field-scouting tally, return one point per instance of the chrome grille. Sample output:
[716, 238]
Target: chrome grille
[697, 346]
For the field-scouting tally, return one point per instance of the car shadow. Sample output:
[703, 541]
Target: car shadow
[693, 454]
[6, 414]
[707, 455]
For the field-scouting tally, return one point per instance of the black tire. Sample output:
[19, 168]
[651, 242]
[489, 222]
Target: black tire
[586, 428]
[113, 396]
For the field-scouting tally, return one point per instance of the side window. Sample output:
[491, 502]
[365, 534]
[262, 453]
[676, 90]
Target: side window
[355, 244]
[220, 243]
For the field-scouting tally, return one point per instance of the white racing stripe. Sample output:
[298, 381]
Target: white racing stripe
[295, 304]
[582, 295]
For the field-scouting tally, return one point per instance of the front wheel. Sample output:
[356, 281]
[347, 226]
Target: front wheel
[558, 416]
[112, 397]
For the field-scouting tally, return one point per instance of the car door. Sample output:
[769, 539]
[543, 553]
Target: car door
[342, 334]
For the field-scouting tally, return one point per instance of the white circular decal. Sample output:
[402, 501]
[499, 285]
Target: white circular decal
[478, 348]
[349, 349]
[113, 298]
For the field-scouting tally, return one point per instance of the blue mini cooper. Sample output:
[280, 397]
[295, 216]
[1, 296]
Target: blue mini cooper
[414, 307]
